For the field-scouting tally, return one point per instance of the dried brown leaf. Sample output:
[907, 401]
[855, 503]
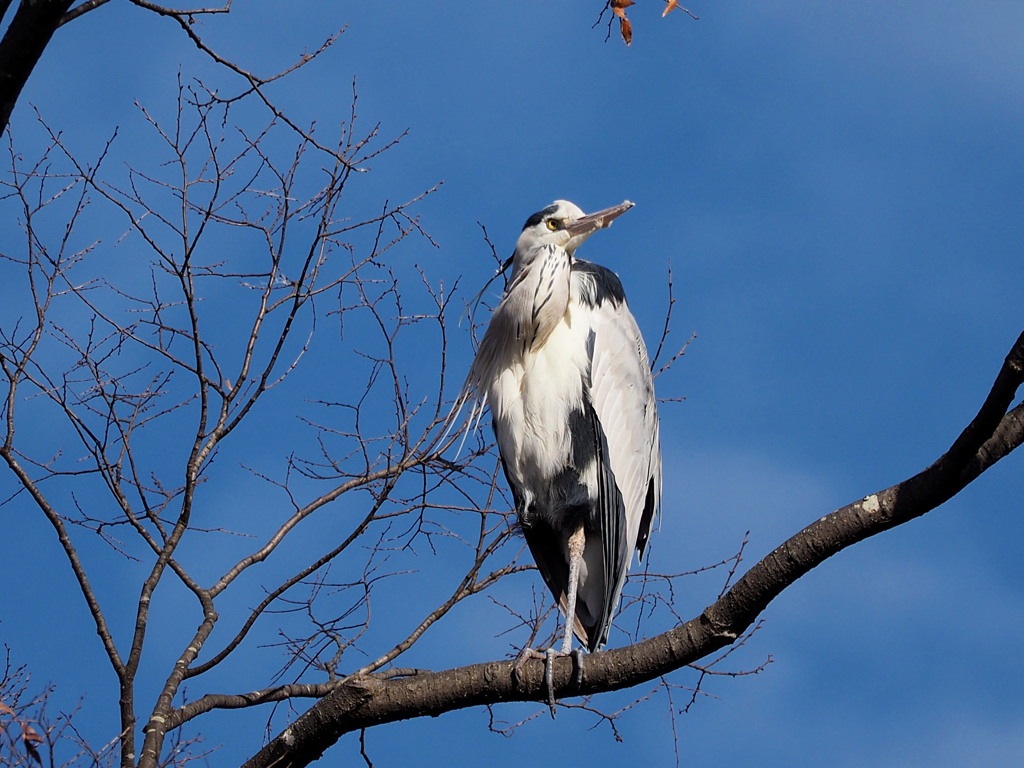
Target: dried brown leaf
[626, 29]
[30, 736]
[619, 8]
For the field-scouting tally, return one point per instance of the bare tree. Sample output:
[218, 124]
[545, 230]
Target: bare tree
[149, 370]
[249, 283]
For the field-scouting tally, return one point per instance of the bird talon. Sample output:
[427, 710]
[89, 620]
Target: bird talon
[549, 657]
[549, 678]
[517, 668]
[577, 658]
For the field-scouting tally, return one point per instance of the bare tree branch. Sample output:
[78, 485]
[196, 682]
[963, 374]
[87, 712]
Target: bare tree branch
[365, 701]
[74, 13]
[22, 46]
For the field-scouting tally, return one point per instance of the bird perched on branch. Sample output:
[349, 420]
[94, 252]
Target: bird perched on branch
[564, 371]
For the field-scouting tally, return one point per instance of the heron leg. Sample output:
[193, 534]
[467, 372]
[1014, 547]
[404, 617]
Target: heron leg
[576, 543]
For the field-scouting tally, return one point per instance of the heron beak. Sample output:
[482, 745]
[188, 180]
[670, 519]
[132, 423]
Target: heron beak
[580, 229]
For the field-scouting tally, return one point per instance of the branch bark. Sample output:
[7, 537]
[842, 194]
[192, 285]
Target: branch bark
[361, 702]
[22, 46]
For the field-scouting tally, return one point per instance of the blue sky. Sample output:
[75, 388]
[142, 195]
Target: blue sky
[838, 189]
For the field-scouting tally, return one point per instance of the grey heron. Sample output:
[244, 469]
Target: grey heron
[564, 371]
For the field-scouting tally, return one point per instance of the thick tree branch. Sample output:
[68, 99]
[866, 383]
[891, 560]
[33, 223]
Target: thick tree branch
[366, 701]
[22, 46]
[88, 5]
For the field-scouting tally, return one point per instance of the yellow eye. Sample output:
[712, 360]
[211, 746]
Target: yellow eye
[554, 224]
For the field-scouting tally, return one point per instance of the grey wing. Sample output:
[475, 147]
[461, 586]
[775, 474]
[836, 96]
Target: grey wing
[606, 552]
[616, 548]
[622, 391]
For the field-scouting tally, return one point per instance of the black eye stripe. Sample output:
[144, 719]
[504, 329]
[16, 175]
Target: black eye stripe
[539, 216]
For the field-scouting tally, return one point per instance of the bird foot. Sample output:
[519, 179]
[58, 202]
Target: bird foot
[549, 657]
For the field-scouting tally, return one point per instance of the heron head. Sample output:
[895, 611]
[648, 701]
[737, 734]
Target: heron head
[563, 223]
